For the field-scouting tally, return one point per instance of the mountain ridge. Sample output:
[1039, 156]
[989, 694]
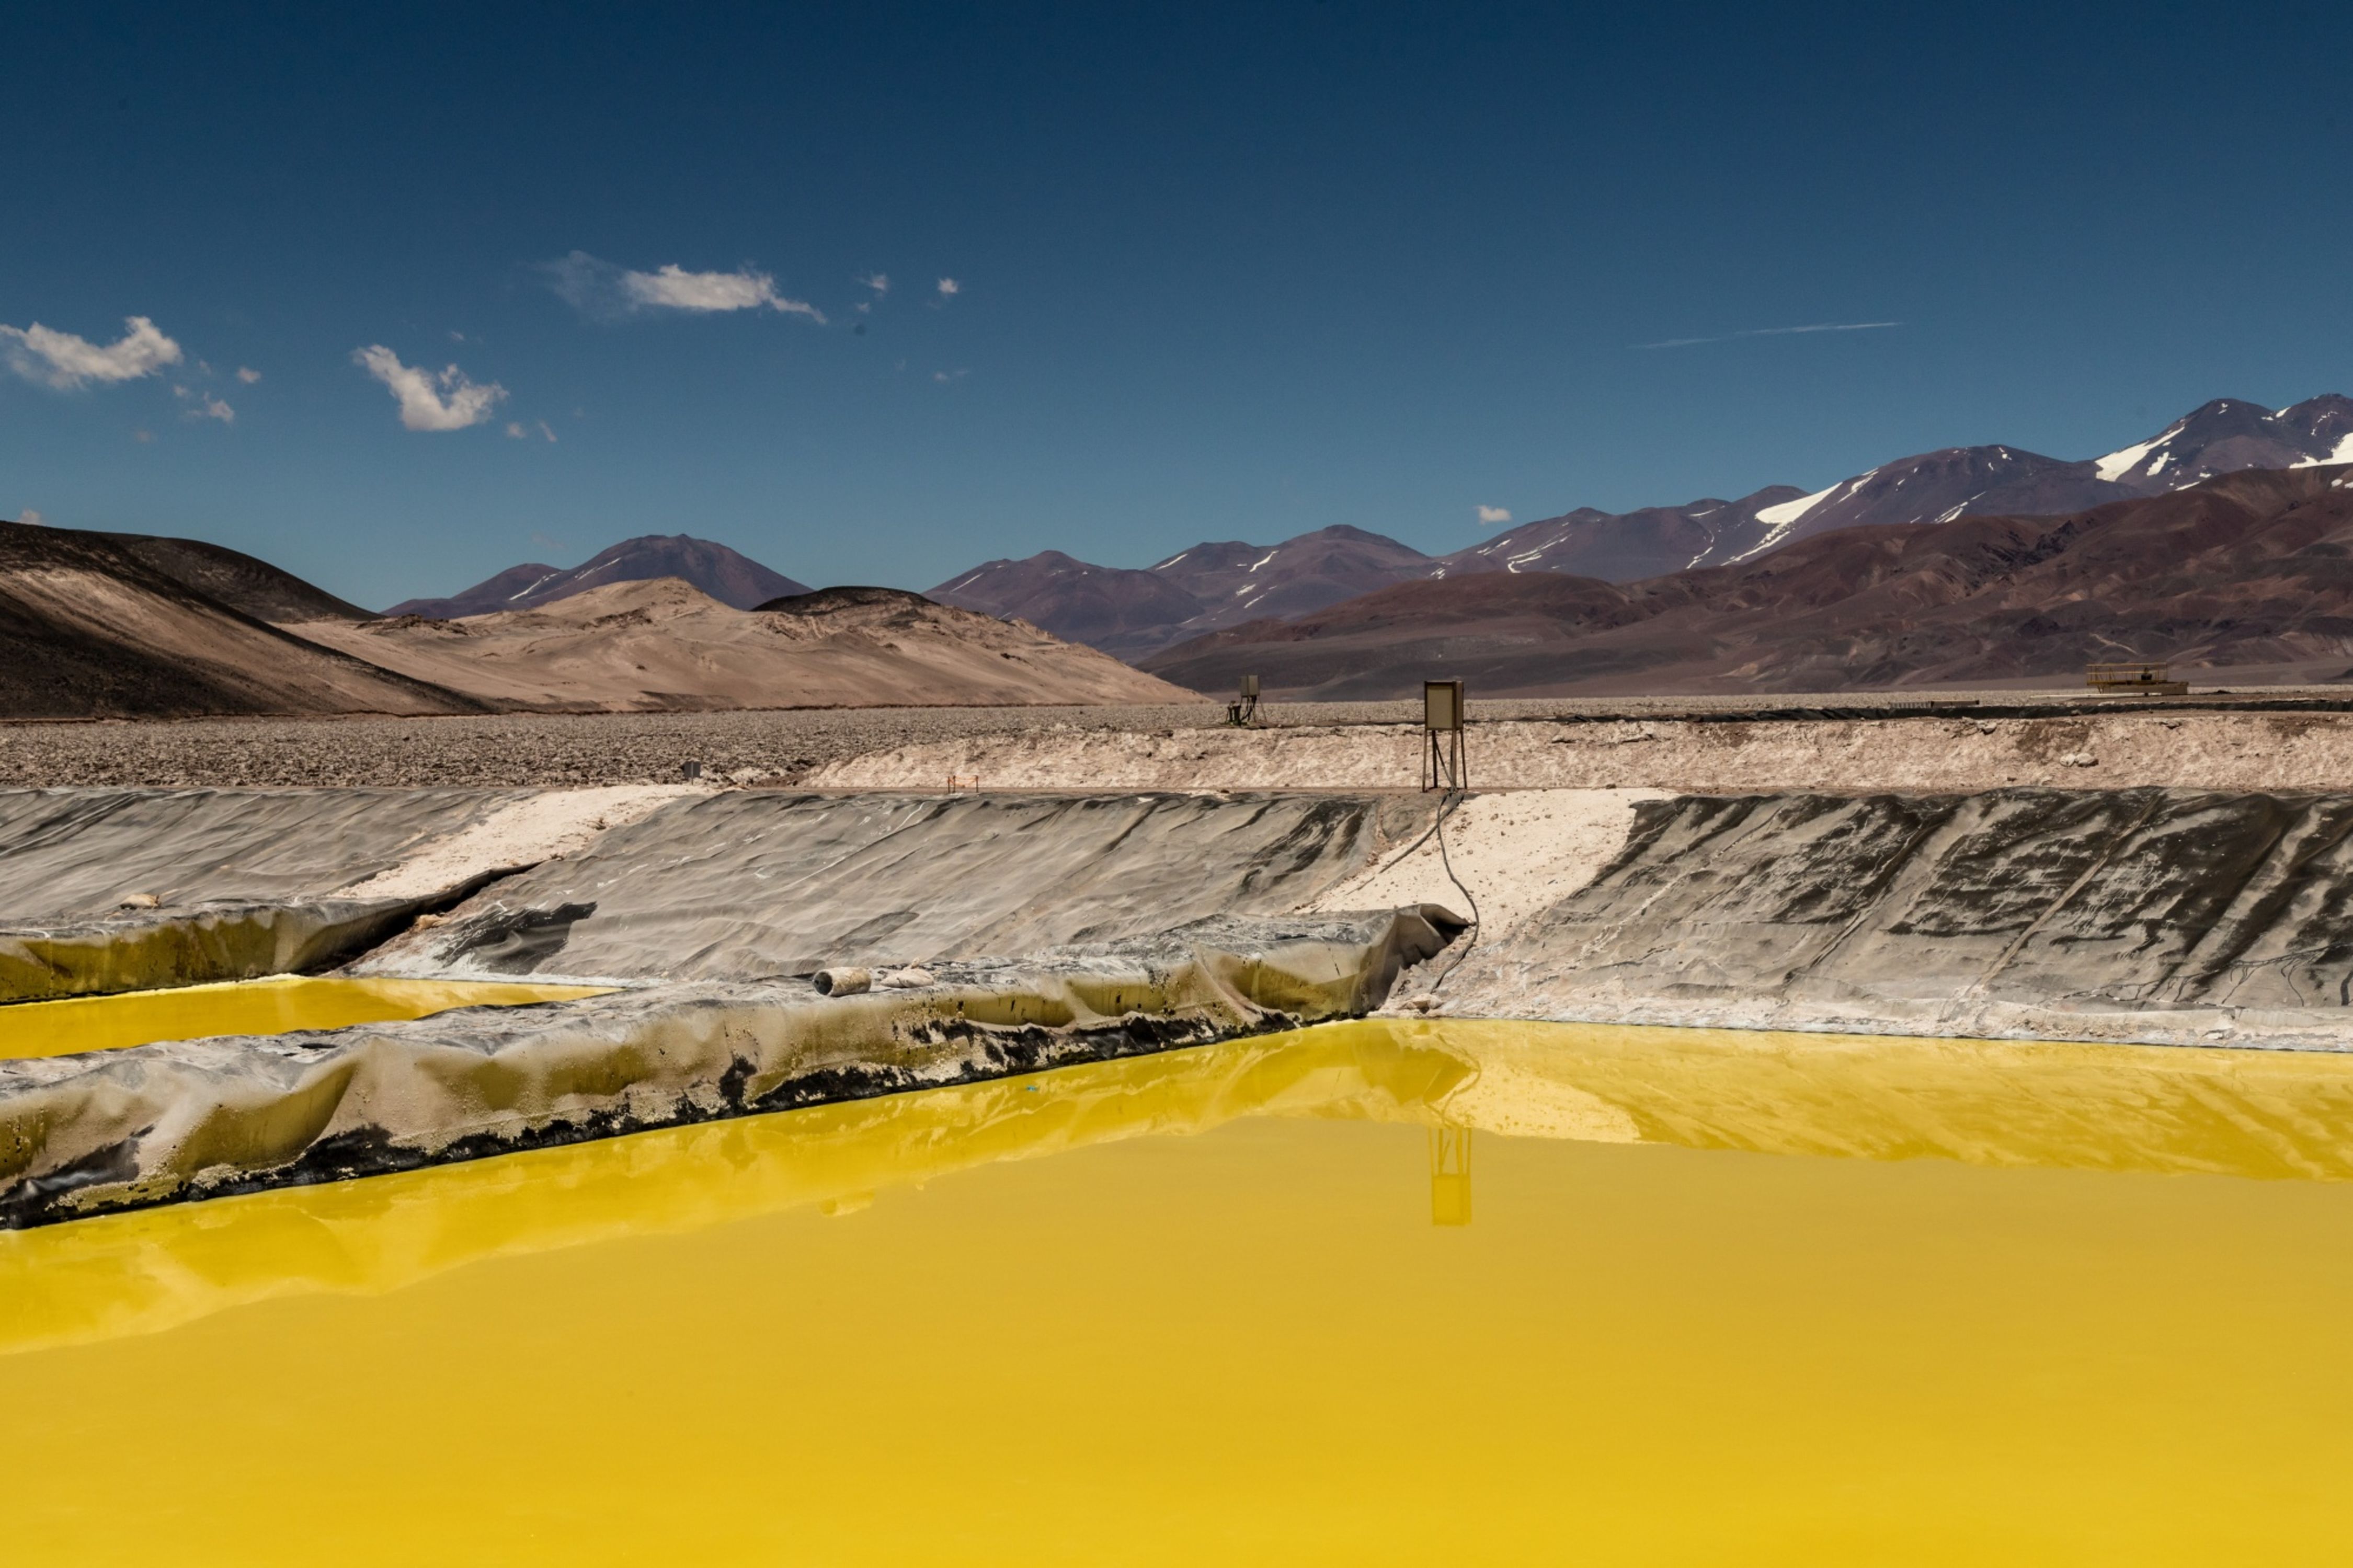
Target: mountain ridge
[727, 575]
[1121, 611]
[2254, 567]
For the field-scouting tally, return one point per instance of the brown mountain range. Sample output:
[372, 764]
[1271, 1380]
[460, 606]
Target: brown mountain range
[1129, 612]
[2252, 568]
[1134, 611]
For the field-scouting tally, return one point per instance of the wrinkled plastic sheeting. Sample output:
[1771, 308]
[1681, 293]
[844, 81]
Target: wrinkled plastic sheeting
[193, 1119]
[77, 1284]
[241, 881]
[69, 855]
[756, 884]
[2007, 912]
[200, 946]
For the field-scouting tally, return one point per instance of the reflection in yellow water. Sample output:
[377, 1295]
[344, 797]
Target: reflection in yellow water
[2037, 1313]
[1450, 1176]
[273, 1006]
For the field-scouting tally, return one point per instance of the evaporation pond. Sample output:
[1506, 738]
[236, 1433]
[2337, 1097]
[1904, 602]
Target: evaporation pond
[1370, 1293]
[274, 1007]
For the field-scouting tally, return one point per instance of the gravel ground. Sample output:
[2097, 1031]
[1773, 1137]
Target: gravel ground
[513, 749]
[773, 747]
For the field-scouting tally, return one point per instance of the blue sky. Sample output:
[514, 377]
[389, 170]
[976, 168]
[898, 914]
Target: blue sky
[1220, 272]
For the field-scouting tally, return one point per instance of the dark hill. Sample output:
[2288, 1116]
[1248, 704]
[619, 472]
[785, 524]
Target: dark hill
[726, 575]
[242, 581]
[89, 629]
[820, 601]
[1121, 610]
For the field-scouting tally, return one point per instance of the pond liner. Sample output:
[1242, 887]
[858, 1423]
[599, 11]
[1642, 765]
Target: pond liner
[2152, 915]
[190, 1120]
[149, 950]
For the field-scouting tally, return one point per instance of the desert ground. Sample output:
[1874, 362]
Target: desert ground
[2279, 739]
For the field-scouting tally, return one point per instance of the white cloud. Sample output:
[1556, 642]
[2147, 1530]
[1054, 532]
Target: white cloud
[878, 281]
[600, 289]
[946, 375]
[448, 401]
[1775, 332]
[62, 360]
[32, 517]
[950, 288]
[207, 407]
[1491, 515]
[247, 375]
[517, 431]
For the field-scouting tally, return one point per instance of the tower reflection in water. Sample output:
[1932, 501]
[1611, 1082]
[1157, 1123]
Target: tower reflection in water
[1450, 1176]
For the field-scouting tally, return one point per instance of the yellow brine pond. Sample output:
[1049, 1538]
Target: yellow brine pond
[273, 1006]
[1367, 1293]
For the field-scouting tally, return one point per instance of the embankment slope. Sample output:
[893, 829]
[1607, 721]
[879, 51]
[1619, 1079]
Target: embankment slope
[2173, 916]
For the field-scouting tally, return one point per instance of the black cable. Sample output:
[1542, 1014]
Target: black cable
[1404, 853]
[1446, 803]
[1439, 828]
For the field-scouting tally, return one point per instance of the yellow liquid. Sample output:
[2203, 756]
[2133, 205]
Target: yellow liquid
[274, 1007]
[1979, 1303]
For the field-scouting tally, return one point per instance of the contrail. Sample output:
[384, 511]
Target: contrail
[1773, 332]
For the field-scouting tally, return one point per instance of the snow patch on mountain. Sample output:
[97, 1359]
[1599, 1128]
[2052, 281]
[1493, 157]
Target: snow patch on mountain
[1785, 516]
[2343, 454]
[1789, 511]
[2124, 461]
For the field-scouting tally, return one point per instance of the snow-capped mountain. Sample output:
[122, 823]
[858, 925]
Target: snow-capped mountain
[2230, 434]
[1933, 487]
[1134, 611]
[1129, 611]
[1122, 610]
[1624, 547]
[1237, 582]
[2223, 436]
[2246, 571]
